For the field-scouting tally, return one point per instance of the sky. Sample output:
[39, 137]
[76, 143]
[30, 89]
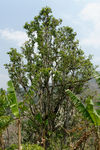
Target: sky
[82, 15]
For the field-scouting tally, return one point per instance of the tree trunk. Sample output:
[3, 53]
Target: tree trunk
[19, 134]
[1, 142]
[7, 136]
[97, 139]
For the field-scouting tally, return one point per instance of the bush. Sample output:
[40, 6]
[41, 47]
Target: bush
[25, 147]
[12, 147]
[32, 147]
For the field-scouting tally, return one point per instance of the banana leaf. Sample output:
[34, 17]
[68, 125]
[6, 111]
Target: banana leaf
[79, 105]
[13, 99]
[4, 122]
[93, 113]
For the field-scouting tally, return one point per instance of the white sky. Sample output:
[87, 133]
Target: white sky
[82, 15]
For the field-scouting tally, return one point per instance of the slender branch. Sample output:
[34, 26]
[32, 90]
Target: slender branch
[83, 138]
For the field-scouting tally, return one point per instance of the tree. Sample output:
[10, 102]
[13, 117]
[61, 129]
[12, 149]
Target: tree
[49, 63]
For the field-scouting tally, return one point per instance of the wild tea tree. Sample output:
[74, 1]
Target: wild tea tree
[50, 62]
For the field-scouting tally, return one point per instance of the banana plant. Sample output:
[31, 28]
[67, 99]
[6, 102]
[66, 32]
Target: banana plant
[5, 119]
[97, 77]
[11, 95]
[88, 112]
[97, 103]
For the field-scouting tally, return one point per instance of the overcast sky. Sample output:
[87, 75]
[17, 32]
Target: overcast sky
[82, 15]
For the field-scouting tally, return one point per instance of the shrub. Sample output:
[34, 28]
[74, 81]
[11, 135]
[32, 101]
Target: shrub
[12, 147]
[32, 147]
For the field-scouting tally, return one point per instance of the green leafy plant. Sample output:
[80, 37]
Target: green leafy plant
[11, 95]
[32, 147]
[5, 118]
[12, 147]
[88, 112]
[49, 62]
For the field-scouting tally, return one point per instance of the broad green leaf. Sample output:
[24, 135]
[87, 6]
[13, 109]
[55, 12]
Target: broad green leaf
[94, 115]
[78, 104]
[98, 111]
[88, 111]
[4, 122]
[13, 100]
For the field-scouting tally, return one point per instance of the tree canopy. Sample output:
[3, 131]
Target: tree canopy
[50, 62]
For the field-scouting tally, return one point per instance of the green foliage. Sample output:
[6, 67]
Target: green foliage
[87, 111]
[12, 147]
[12, 99]
[31, 147]
[97, 77]
[49, 63]
[3, 102]
[5, 118]
[4, 122]
[93, 113]
[78, 104]
[38, 117]
[54, 44]
[97, 103]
